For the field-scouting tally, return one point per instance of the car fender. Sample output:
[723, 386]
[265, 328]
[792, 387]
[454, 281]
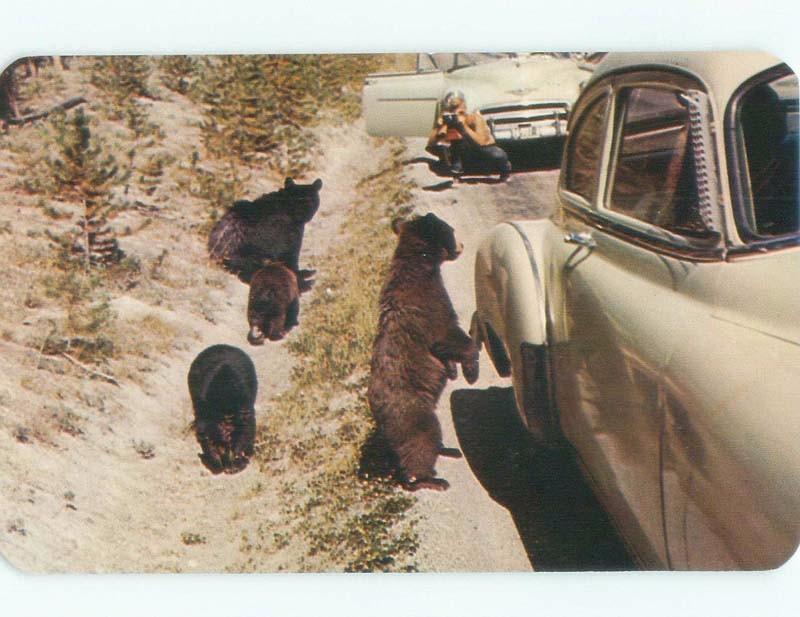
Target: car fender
[511, 302]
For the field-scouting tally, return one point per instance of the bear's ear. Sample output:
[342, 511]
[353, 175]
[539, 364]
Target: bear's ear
[317, 184]
[289, 183]
[397, 224]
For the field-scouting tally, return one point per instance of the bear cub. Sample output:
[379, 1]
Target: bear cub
[274, 303]
[223, 387]
[417, 348]
[268, 228]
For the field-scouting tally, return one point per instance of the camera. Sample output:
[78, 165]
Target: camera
[450, 119]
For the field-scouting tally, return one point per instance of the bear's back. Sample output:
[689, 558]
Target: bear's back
[220, 373]
[270, 227]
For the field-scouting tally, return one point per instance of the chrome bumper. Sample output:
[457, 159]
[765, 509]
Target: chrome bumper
[527, 120]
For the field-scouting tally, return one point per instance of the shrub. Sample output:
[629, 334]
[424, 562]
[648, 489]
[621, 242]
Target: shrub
[178, 72]
[122, 78]
[264, 107]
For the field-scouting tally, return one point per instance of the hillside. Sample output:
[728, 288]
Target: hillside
[99, 464]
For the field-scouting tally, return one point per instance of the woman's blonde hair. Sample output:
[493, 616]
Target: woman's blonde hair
[452, 100]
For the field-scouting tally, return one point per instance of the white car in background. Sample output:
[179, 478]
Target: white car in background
[652, 324]
[524, 97]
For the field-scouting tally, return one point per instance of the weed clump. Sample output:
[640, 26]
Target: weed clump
[189, 538]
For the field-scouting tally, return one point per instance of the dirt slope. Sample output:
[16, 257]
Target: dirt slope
[92, 502]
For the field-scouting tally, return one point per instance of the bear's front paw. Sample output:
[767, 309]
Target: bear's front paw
[213, 464]
[305, 280]
[237, 465]
[470, 370]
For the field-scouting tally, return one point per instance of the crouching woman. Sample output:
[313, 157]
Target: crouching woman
[460, 139]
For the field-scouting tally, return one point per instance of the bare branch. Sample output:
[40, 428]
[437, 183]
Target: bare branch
[68, 104]
[88, 369]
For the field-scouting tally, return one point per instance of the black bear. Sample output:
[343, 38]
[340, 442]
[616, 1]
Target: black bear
[416, 350]
[274, 303]
[223, 387]
[271, 227]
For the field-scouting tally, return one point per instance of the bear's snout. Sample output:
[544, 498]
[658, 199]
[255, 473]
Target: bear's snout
[453, 254]
[255, 336]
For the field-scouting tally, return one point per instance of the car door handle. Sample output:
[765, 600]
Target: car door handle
[582, 238]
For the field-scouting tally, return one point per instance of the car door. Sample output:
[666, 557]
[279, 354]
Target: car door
[732, 385]
[620, 268]
[403, 104]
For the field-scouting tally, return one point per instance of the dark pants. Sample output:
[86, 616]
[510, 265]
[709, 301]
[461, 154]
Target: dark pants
[462, 155]
[487, 159]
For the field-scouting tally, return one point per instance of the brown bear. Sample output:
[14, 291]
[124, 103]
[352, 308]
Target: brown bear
[416, 350]
[271, 227]
[223, 386]
[274, 303]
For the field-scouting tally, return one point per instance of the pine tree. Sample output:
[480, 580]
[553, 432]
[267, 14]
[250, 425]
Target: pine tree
[122, 78]
[178, 72]
[151, 172]
[84, 171]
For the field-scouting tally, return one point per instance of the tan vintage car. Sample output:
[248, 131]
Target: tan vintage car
[524, 97]
[653, 322]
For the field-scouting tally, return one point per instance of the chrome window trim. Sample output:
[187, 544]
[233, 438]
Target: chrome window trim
[738, 175]
[647, 234]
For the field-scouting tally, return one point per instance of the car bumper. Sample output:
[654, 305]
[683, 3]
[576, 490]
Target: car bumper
[526, 121]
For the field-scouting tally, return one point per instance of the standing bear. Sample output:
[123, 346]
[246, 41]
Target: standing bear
[223, 387]
[271, 227]
[416, 350]
[274, 303]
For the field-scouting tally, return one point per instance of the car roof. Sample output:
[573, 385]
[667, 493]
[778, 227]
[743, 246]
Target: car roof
[722, 71]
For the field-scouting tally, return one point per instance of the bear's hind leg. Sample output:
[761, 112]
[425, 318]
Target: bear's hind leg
[434, 484]
[418, 454]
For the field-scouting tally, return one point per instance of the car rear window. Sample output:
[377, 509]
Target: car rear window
[768, 116]
[654, 176]
[585, 148]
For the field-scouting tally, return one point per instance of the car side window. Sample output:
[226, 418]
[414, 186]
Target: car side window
[585, 150]
[426, 63]
[768, 116]
[654, 177]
